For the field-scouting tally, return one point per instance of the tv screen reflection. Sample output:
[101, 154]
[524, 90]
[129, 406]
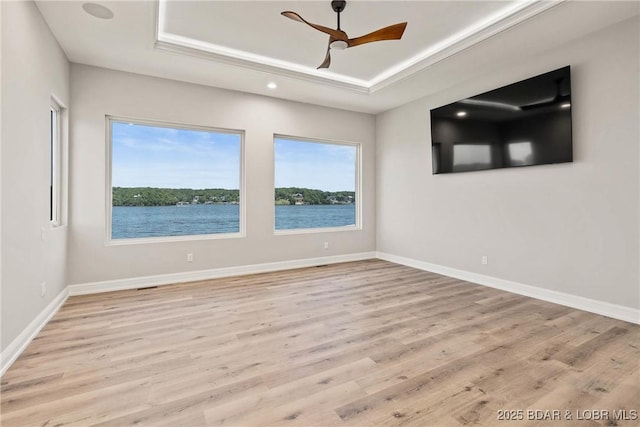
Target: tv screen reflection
[522, 124]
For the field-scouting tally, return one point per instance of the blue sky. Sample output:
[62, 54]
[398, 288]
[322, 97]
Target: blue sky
[328, 167]
[150, 156]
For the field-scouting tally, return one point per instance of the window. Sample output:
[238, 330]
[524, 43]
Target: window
[315, 184]
[56, 150]
[172, 181]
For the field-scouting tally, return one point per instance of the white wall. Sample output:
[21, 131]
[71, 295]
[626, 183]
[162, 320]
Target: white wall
[98, 92]
[33, 69]
[571, 228]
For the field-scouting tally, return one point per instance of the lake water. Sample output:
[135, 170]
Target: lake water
[314, 216]
[161, 221]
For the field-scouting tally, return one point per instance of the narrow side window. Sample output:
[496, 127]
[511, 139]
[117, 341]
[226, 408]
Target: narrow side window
[55, 163]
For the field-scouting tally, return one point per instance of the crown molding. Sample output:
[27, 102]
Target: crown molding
[505, 19]
[463, 40]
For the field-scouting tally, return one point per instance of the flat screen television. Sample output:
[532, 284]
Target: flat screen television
[523, 124]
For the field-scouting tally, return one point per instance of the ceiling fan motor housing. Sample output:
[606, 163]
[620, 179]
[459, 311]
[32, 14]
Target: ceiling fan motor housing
[338, 5]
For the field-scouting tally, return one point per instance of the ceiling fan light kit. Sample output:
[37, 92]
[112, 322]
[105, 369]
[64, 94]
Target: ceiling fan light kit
[339, 40]
[338, 45]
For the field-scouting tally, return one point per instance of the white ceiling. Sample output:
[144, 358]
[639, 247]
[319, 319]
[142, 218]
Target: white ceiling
[243, 45]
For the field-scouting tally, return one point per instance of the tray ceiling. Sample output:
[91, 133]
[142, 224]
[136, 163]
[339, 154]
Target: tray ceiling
[243, 45]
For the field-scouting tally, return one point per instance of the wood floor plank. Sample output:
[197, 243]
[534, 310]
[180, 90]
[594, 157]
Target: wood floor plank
[351, 344]
[235, 413]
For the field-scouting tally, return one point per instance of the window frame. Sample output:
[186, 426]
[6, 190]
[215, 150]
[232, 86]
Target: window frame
[57, 162]
[357, 186]
[109, 241]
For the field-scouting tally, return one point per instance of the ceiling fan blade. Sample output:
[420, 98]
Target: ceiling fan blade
[339, 35]
[327, 58]
[392, 32]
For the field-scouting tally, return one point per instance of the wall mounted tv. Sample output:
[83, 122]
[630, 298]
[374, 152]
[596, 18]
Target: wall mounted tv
[523, 124]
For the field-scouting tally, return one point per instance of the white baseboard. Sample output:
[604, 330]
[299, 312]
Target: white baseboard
[191, 276]
[17, 346]
[620, 312]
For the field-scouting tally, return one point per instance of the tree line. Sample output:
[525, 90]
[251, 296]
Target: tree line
[308, 196]
[149, 196]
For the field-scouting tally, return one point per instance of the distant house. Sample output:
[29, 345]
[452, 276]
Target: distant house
[298, 199]
[332, 199]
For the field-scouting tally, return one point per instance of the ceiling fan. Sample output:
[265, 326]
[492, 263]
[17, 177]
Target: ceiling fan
[339, 40]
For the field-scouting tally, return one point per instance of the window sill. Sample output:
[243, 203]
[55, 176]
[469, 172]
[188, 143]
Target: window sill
[316, 230]
[170, 239]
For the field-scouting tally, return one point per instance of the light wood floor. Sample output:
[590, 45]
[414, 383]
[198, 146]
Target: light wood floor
[363, 343]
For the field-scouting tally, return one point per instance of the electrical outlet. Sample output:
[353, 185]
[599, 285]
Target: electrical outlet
[326, 245]
[189, 257]
[485, 260]
[43, 289]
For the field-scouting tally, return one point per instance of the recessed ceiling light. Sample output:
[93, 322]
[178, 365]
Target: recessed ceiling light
[272, 85]
[97, 10]
[565, 105]
[461, 113]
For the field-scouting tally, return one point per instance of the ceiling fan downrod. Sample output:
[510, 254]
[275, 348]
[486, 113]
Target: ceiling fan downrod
[338, 6]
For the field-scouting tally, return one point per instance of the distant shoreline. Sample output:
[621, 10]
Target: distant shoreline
[152, 196]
